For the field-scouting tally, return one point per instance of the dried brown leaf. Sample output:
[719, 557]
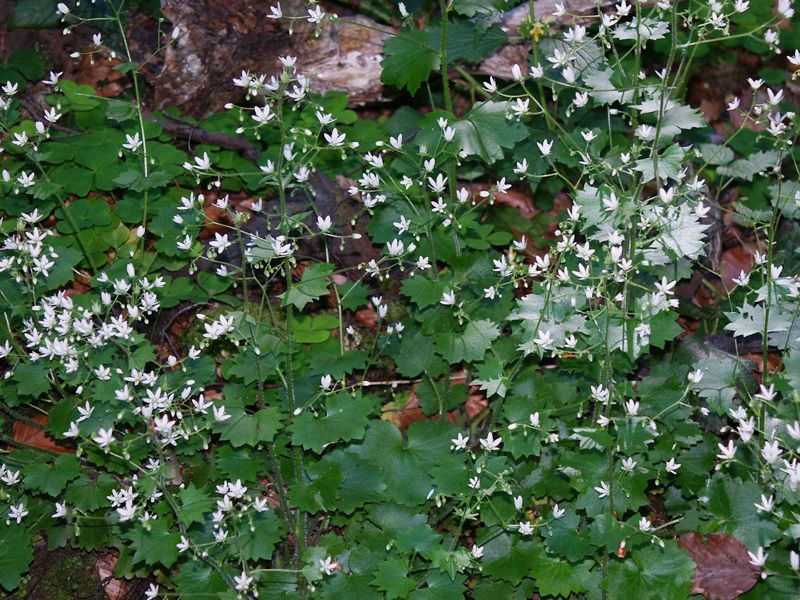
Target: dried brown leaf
[723, 570]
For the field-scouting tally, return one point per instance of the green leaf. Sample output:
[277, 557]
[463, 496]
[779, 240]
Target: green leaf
[486, 130]
[88, 494]
[423, 291]
[405, 467]
[679, 118]
[194, 504]
[715, 154]
[652, 573]
[344, 419]
[467, 41]
[352, 294]
[392, 577]
[508, 558]
[198, 581]
[338, 365]
[27, 61]
[75, 180]
[603, 90]
[312, 285]
[244, 429]
[408, 60]
[469, 345]
[237, 464]
[259, 536]
[558, 577]
[669, 164]
[51, 479]
[34, 14]
[32, 379]
[16, 555]
[87, 213]
[415, 355]
[155, 545]
[750, 320]
[747, 168]
[681, 234]
[731, 502]
[318, 492]
[491, 378]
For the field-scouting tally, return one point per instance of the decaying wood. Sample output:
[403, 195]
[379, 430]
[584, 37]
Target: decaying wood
[219, 38]
[501, 62]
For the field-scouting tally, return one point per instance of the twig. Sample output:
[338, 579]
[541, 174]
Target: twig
[193, 132]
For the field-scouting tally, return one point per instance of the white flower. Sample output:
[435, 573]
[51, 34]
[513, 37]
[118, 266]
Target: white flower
[518, 502]
[104, 437]
[183, 545]
[335, 139]
[62, 9]
[490, 444]
[490, 86]
[220, 415]
[61, 510]
[316, 14]
[726, 452]
[477, 551]
[545, 147]
[72, 431]
[127, 511]
[671, 466]
[632, 407]
[438, 184]
[581, 99]
[448, 298]
[767, 394]
[695, 376]
[262, 114]
[17, 512]
[328, 566]
[325, 382]
[645, 525]
[395, 248]
[152, 592]
[771, 452]
[460, 442]
[52, 78]
[281, 247]
[742, 279]
[766, 504]
[220, 243]
[242, 582]
[602, 490]
[525, 528]
[759, 558]
[521, 107]
[558, 512]
[324, 223]
[794, 560]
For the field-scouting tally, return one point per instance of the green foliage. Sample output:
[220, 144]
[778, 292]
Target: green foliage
[240, 406]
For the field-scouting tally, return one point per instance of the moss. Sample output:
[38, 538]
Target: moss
[61, 575]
